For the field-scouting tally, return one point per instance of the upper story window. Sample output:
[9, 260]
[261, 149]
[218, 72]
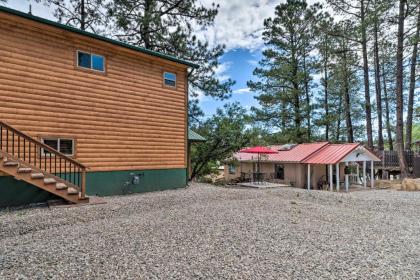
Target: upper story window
[64, 146]
[169, 79]
[91, 61]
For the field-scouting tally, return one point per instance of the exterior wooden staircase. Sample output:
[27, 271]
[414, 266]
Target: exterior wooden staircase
[30, 160]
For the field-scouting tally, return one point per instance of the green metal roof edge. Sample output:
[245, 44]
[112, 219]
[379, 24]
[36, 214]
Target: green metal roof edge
[194, 136]
[95, 36]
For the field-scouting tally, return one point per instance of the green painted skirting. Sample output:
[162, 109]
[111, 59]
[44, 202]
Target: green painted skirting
[121, 182]
[17, 193]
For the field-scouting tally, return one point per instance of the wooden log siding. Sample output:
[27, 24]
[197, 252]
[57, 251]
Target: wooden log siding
[123, 119]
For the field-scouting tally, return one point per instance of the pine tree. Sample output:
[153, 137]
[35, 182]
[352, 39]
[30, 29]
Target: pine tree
[325, 45]
[413, 64]
[168, 26]
[377, 17]
[357, 11]
[83, 14]
[284, 72]
[399, 89]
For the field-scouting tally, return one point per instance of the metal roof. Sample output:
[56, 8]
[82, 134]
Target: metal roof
[98, 37]
[331, 154]
[194, 136]
[295, 154]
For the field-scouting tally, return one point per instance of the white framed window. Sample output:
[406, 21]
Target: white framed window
[169, 79]
[91, 61]
[63, 145]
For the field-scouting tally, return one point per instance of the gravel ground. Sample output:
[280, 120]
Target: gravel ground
[207, 232]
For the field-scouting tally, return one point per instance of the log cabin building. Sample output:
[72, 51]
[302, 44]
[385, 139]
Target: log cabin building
[82, 114]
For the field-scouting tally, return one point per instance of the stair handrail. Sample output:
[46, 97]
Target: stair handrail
[50, 150]
[43, 146]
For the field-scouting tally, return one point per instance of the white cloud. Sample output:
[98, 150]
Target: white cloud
[253, 62]
[239, 23]
[222, 69]
[242, 90]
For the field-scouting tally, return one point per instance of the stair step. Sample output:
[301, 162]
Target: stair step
[72, 190]
[24, 170]
[48, 181]
[37, 176]
[10, 163]
[60, 186]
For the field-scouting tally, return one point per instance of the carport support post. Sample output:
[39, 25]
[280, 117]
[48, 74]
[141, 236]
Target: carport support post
[347, 177]
[331, 177]
[364, 174]
[337, 176]
[372, 175]
[309, 176]
[358, 173]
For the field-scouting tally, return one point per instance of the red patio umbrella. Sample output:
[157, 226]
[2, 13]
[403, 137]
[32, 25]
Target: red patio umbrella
[258, 150]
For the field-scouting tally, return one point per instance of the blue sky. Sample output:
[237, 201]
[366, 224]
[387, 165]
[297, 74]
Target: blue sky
[238, 25]
[237, 64]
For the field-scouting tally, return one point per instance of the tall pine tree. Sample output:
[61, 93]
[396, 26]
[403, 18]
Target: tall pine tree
[284, 73]
[357, 11]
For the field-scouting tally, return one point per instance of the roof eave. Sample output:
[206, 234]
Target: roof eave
[98, 37]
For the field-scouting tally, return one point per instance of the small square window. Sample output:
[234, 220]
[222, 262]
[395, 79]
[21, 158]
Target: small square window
[64, 146]
[91, 61]
[97, 62]
[169, 79]
[84, 60]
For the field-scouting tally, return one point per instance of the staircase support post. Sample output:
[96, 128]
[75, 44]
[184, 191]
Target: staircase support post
[83, 190]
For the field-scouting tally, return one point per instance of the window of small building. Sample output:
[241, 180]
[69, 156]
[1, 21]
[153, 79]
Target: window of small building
[232, 169]
[279, 171]
[64, 146]
[169, 79]
[91, 61]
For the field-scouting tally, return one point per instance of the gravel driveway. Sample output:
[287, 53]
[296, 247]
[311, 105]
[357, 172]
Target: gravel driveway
[207, 232]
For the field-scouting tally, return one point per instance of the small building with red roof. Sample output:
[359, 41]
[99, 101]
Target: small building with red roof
[320, 165]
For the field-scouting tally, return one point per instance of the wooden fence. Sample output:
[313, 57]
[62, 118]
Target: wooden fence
[390, 159]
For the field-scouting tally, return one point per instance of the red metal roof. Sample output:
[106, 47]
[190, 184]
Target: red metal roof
[331, 154]
[295, 154]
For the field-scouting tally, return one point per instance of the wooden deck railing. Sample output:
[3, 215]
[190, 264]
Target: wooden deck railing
[390, 159]
[37, 154]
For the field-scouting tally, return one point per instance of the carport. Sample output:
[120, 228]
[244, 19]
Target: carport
[338, 154]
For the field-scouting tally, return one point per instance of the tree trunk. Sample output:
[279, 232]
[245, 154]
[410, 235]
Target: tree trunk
[283, 113]
[82, 15]
[410, 104]
[368, 108]
[378, 87]
[145, 26]
[387, 117]
[326, 107]
[346, 95]
[337, 136]
[296, 99]
[399, 92]
[308, 100]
